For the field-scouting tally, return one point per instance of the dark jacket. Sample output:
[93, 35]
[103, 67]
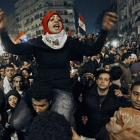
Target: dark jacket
[53, 65]
[3, 118]
[99, 113]
[3, 114]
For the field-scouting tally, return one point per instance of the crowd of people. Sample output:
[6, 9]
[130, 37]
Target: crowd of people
[67, 88]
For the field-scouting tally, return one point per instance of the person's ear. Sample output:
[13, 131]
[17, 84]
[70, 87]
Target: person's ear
[110, 83]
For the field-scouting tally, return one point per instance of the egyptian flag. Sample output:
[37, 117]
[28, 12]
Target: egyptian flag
[21, 38]
[82, 26]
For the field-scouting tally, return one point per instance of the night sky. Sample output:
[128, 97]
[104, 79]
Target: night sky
[88, 8]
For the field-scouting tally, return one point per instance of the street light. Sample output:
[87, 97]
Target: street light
[115, 43]
[1, 48]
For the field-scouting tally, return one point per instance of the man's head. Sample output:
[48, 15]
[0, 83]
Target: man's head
[13, 97]
[126, 58]
[103, 80]
[9, 71]
[18, 81]
[50, 126]
[41, 97]
[25, 72]
[117, 57]
[2, 71]
[133, 58]
[89, 36]
[40, 105]
[107, 65]
[52, 23]
[135, 95]
[116, 72]
[26, 64]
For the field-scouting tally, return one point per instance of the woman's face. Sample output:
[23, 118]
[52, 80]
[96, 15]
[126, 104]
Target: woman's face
[103, 82]
[55, 24]
[25, 74]
[12, 100]
[17, 82]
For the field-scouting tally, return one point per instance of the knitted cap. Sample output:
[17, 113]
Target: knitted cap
[46, 19]
[14, 93]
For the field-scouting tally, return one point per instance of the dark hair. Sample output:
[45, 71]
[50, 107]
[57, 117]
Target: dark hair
[88, 67]
[99, 72]
[9, 66]
[50, 126]
[40, 91]
[14, 93]
[116, 72]
[2, 67]
[125, 56]
[26, 70]
[106, 62]
[137, 83]
[18, 75]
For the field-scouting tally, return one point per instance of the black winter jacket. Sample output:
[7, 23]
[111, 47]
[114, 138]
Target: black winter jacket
[53, 65]
[99, 113]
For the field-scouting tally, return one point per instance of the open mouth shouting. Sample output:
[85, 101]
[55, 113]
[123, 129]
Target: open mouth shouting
[56, 26]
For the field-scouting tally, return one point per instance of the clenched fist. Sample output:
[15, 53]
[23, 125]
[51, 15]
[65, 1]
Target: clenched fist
[109, 20]
[2, 20]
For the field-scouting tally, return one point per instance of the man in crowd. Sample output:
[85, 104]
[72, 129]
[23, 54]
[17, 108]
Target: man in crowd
[50, 126]
[7, 82]
[38, 99]
[2, 75]
[126, 61]
[35, 101]
[100, 104]
[18, 84]
[125, 124]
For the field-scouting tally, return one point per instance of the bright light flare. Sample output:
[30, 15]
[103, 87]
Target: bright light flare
[1, 48]
[115, 43]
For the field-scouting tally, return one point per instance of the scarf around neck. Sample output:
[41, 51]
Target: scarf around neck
[55, 41]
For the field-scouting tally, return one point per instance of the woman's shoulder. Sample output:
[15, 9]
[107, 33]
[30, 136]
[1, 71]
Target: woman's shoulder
[72, 39]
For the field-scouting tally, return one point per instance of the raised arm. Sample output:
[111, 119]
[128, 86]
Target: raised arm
[18, 49]
[108, 22]
[80, 48]
[9, 46]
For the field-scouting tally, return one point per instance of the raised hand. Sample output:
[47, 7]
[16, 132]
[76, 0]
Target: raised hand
[109, 20]
[118, 93]
[2, 20]
[75, 135]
